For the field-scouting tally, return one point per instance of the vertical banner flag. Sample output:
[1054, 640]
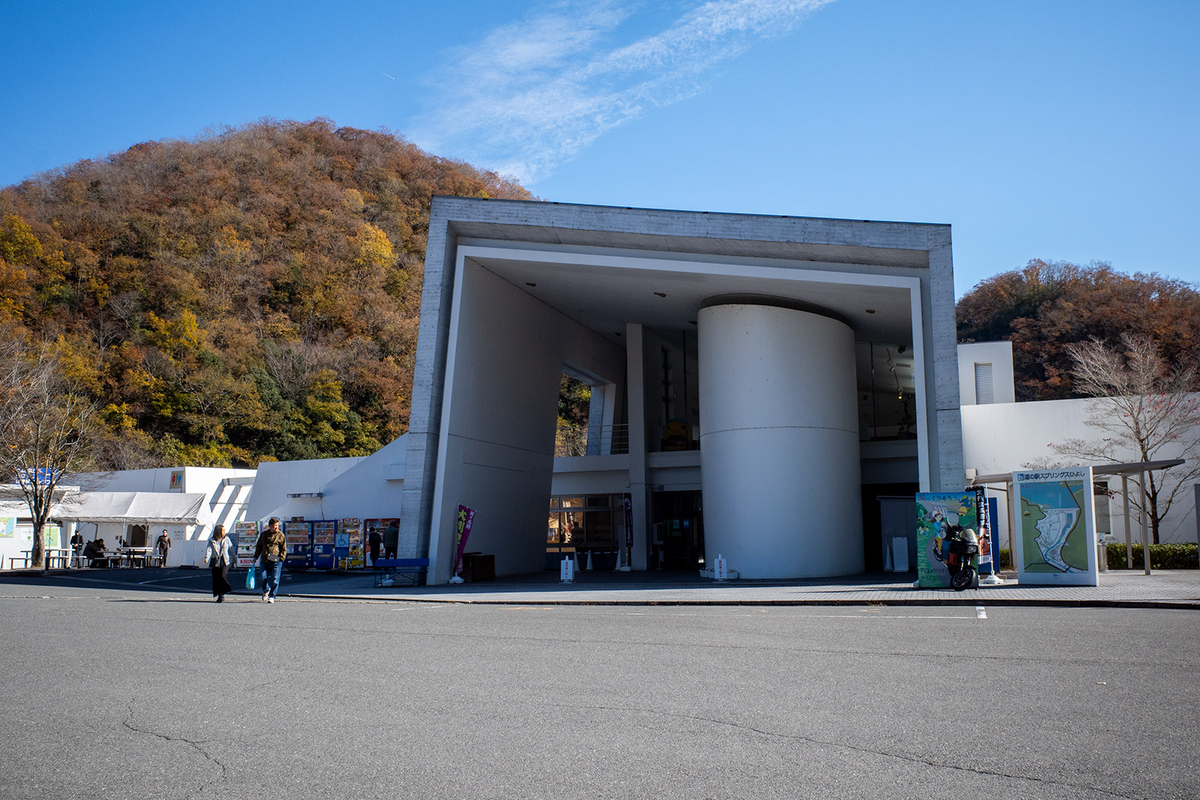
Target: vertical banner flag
[987, 564]
[1055, 527]
[466, 518]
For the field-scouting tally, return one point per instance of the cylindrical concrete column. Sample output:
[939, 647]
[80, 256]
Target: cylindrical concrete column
[779, 452]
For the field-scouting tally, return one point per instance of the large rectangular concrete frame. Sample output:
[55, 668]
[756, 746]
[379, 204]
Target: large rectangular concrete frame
[515, 292]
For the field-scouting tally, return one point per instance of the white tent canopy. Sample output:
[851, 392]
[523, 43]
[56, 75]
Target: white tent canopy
[156, 507]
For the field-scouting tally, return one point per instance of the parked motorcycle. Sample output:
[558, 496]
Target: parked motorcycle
[959, 549]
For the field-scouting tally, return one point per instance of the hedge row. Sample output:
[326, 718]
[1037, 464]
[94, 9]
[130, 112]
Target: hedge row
[1162, 556]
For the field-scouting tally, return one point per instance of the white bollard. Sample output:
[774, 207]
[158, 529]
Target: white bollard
[566, 571]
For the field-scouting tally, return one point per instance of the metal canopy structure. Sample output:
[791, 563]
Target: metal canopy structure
[1139, 468]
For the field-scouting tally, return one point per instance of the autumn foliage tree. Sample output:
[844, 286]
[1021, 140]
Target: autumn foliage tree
[248, 295]
[1045, 308]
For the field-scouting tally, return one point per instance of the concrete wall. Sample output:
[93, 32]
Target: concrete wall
[500, 415]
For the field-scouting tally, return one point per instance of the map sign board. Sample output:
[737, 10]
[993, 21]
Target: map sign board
[1056, 527]
[935, 513]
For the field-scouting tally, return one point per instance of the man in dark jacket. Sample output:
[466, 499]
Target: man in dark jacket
[391, 538]
[272, 549]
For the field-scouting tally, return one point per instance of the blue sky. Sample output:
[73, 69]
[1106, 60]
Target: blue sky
[1054, 130]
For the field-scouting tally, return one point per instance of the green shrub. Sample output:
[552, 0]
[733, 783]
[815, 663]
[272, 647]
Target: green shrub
[1162, 556]
[1006, 561]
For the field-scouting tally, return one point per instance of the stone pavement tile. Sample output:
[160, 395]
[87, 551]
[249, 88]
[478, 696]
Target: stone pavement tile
[1177, 589]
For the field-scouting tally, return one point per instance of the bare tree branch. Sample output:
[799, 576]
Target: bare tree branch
[1145, 411]
[45, 430]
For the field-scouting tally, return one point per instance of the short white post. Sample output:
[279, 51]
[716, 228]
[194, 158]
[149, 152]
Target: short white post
[1145, 530]
[1128, 535]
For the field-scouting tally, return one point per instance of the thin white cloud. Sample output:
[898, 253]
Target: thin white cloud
[532, 94]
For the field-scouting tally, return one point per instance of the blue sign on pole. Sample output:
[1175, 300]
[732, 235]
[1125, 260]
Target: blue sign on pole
[38, 477]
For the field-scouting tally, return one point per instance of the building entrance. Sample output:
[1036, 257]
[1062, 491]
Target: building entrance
[677, 531]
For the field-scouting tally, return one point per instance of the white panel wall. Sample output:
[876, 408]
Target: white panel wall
[1005, 437]
[499, 418]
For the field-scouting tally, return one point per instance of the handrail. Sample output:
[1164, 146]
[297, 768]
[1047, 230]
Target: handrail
[591, 440]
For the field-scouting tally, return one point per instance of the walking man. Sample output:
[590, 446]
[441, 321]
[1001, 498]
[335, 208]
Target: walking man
[272, 549]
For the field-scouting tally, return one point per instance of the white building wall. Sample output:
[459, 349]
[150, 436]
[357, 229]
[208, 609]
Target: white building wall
[277, 479]
[997, 355]
[1005, 437]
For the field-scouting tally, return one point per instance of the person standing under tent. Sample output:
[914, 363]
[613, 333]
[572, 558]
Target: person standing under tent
[219, 557]
[163, 545]
[77, 549]
[272, 549]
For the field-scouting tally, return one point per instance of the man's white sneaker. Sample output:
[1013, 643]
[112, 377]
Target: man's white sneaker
[270, 599]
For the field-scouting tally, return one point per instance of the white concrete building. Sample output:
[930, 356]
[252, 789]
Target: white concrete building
[757, 383]
[331, 488]
[133, 506]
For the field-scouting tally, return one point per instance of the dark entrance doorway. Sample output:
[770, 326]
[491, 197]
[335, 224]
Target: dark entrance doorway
[677, 531]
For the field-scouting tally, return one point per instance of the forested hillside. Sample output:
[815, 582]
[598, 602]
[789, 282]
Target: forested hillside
[1047, 306]
[244, 296]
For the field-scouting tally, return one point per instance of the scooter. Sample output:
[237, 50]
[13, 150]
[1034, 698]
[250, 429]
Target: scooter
[960, 547]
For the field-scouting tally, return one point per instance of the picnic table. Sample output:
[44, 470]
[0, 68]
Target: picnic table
[62, 555]
[137, 556]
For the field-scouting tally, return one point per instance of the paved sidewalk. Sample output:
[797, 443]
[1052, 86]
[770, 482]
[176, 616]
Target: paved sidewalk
[1163, 589]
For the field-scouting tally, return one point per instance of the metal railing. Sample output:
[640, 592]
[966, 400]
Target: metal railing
[591, 440]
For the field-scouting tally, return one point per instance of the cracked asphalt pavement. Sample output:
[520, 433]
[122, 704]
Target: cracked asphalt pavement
[127, 691]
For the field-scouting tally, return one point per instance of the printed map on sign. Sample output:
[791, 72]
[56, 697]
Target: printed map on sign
[1052, 527]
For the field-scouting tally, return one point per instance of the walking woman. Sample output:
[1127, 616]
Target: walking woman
[219, 556]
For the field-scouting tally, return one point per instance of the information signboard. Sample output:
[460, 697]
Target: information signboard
[1056, 527]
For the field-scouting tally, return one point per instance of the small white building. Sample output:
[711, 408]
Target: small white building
[132, 507]
[1001, 436]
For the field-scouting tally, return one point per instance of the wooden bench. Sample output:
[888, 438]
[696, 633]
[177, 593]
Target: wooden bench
[412, 568]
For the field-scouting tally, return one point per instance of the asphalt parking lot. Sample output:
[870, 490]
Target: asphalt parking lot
[155, 691]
